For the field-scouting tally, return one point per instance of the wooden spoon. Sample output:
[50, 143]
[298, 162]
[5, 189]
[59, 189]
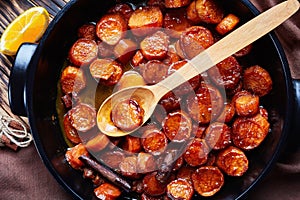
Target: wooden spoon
[149, 96]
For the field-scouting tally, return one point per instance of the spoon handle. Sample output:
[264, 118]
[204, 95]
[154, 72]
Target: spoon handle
[233, 42]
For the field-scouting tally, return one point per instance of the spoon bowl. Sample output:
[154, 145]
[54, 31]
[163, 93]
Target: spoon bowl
[141, 94]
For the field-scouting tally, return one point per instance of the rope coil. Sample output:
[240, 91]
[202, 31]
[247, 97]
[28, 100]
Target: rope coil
[21, 138]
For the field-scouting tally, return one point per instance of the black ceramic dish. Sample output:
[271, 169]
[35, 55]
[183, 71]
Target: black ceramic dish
[33, 93]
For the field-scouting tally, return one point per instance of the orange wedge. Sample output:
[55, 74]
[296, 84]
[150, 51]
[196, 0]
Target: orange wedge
[27, 27]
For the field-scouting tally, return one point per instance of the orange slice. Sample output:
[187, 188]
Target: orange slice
[27, 27]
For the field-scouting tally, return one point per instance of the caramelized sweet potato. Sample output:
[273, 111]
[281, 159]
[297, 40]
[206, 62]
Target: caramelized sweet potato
[87, 31]
[228, 113]
[180, 189]
[218, 135]
[107, 191]
[209, 11]
[127, 115]
[132, 144]
[152, 186]
[232, 161]
[206, 104]
[249, 132]
[137, 59]
[185, 173]
[111, 28]
[245, 103]
[226, 73]
[257, 80]
[176, 3]
[72, 155]
[154, 71]
[227, 24]
[70, 131]
[124, 50]
[144, 20]
[97, 143]
[196, 153]
[116, 76]
[82, 117]
[175, 21]
[192, 13]
[170, 102]
[83, 52]
[102, 68]
[194, 40]
[177, 126]
[122, 8]
[128, 167]
[155, 46]
[154, 141]
[207, 180]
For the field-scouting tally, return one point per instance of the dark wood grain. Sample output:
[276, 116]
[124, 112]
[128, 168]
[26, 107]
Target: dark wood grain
[9, 10]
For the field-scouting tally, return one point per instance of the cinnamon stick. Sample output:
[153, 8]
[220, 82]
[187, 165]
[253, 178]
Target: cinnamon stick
[8, 143]
[15, 125]
[106, 173]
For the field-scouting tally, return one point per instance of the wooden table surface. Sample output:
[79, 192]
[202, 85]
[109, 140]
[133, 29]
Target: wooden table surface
[9, 10]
